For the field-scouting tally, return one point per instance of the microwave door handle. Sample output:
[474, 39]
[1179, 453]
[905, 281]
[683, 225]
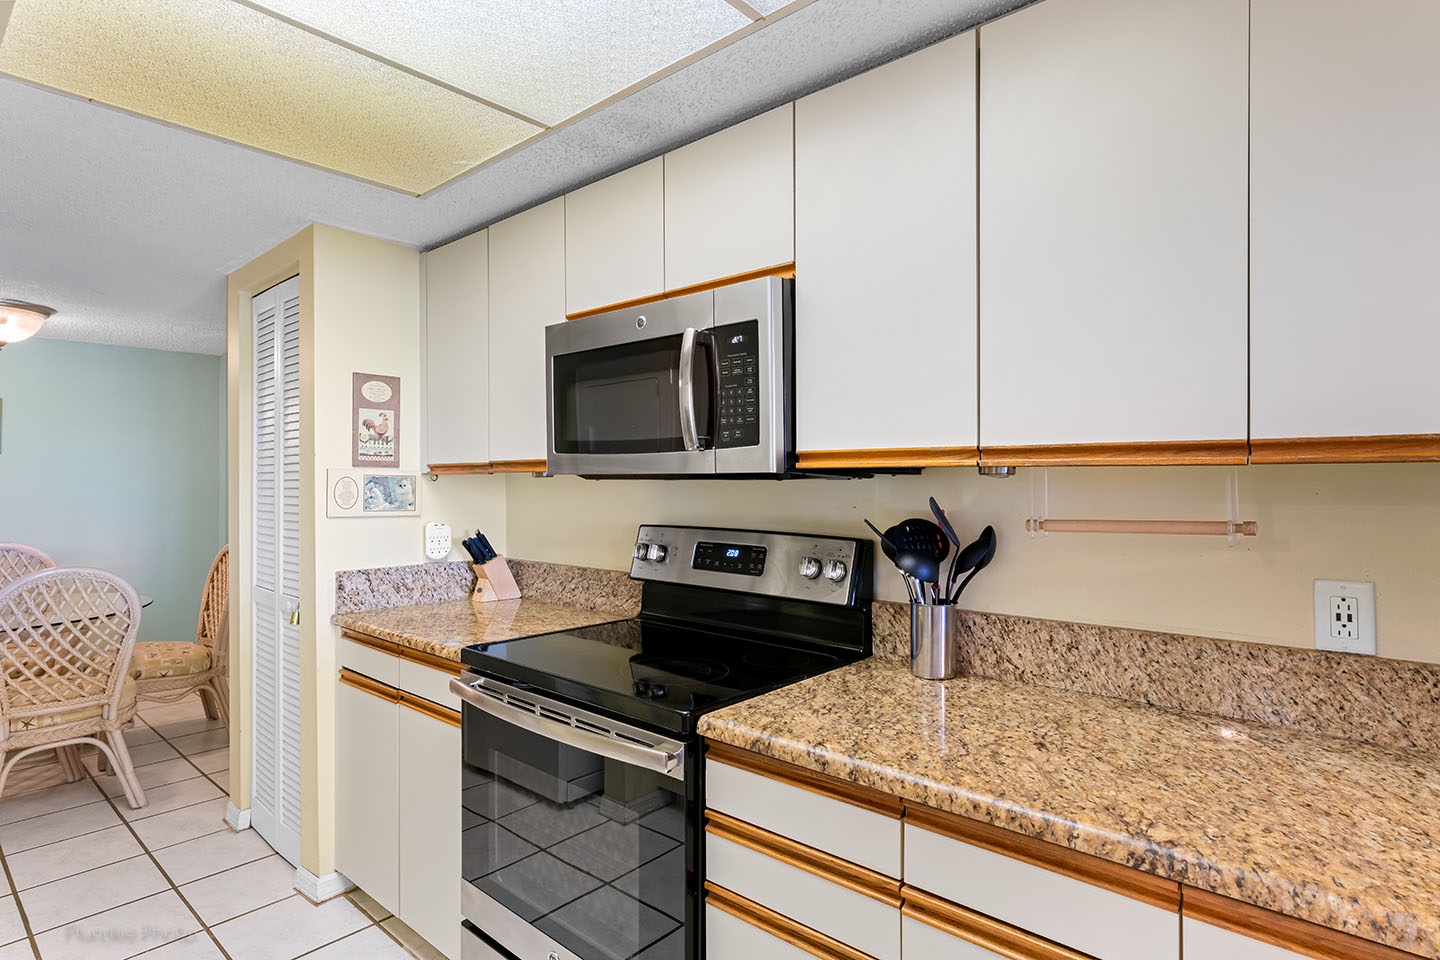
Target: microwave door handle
[689, 431]
[660, 759]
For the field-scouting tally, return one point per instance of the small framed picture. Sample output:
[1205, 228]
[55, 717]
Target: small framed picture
[361, 493]
[375, 401]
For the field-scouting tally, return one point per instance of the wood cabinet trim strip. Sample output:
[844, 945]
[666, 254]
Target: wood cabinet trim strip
[365, 685]
[985, 932]
[887, 457]
[1118, 454]
[429, 709]
[517, 466]
[1289, 933]
[786, 270]
[454, 468]
[1106, 874]
[781, 927]
[1401, 448]
[433, 661]
[826, 866]
[866, 798]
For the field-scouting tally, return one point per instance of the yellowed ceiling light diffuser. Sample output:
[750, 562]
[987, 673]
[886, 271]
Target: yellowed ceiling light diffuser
[236, 73]
[545, 59]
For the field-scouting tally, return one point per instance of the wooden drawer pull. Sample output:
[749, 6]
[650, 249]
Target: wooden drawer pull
[999, 938]
[365, 685]
[826, 866]
[432, 710]
[781, 927]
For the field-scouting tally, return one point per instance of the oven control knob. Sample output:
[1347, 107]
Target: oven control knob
[655, 552]
[809, 568]
[642, 550]
[836, 570]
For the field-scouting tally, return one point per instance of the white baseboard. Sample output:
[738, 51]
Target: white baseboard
[319, 889]
[237, 818]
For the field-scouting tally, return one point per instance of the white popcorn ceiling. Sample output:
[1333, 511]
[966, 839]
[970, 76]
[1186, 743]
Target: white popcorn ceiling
[128, 227]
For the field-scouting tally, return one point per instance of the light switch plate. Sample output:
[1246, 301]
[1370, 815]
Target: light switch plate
[437, 541]
[1345, 616]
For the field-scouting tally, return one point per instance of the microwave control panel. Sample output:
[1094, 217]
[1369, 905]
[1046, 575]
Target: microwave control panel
[737, 350]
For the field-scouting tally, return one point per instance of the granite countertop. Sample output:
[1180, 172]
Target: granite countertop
[1332, 831]
[447, 627]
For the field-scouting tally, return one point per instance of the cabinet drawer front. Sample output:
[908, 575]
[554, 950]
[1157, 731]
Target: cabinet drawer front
[730, 938]
[1090, 919]
[1204, 942]
[427, 682]
[850, 917]
[861, 836]
[373, 663]
[923, 940]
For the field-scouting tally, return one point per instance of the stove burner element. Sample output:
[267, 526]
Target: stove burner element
[690, 668]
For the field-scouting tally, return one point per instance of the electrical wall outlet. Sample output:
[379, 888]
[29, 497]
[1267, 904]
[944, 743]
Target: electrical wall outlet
[1345, 616]
[437, 541]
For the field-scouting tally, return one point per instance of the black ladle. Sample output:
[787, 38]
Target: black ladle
[920, 546]
[985, 548]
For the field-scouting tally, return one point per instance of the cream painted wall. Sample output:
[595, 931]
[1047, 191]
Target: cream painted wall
[1378, 522]
[360, 312]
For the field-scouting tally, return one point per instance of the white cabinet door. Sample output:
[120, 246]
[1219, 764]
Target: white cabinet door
[457, 351]
[1113, 222]
[924, 942]
[1345, 321]
[527, 294]
[885, 256]
[730, 201]
[430, 829]
[1204, 942]
[367, 794]
[615, 239]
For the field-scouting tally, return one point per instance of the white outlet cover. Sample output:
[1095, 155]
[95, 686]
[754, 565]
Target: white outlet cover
[437, 541]
[1363, 593]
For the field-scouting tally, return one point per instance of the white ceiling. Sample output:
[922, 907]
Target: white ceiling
[128, 226]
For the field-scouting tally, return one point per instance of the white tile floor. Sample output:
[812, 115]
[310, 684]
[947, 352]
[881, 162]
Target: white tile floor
[87, 878]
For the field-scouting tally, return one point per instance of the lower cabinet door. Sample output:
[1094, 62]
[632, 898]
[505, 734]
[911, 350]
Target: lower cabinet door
[923, 940]
[934, 927]
[429, 820]
[730, 938]
[367, 796]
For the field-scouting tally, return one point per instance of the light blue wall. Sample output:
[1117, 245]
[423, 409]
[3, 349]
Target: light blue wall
[114, 457]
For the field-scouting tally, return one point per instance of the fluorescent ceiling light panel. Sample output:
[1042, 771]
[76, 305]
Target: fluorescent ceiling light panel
[544, 59]
[227, 70]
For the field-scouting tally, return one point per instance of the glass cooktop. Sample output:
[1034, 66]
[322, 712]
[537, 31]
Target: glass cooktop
[653, 673]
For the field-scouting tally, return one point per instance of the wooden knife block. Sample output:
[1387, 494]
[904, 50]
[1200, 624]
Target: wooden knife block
[494, 581]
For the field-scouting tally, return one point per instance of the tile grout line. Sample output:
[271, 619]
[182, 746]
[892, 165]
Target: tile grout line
[165, 875]
[185, 756]
[19, 907]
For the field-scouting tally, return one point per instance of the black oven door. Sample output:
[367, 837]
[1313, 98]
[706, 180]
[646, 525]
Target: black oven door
[579, 834]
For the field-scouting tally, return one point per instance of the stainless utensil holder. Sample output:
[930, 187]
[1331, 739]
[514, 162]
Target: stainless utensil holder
[933, 645]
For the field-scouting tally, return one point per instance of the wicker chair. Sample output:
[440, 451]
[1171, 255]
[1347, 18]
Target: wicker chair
[17, 560]
[170, 670]
[66, 639]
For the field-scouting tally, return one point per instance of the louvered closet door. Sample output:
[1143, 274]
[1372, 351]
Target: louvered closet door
[275, 804]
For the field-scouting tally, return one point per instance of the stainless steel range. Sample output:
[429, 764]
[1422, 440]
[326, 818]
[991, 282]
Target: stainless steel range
[582, 771]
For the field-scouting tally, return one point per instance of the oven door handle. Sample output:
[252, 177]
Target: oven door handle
[664, 758]
[689, 428]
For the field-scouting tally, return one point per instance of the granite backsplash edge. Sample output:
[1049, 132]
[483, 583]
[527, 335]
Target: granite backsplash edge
[1392, 703]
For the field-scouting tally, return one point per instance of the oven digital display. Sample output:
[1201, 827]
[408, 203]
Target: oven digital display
[744, 559]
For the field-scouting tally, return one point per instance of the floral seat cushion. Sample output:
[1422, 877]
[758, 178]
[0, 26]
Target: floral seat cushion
[156, 659]
[22, 724]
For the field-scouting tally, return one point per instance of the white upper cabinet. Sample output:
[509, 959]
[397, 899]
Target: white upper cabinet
[615, 239]
[885, 256]
[1345, 322]
[1113, 222]
[527, 294]
[730, 201]
[457, 351]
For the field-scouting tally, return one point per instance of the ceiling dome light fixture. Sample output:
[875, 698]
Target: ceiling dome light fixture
[20, 321]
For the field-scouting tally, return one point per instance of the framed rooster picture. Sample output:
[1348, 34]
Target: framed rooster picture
[376, 404]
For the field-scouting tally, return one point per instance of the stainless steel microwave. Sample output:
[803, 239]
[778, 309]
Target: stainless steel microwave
[699, 385]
